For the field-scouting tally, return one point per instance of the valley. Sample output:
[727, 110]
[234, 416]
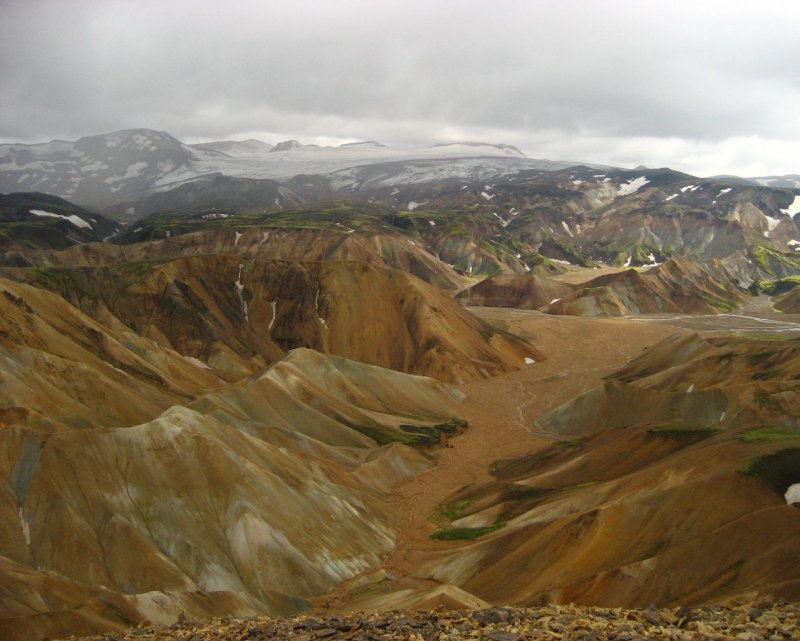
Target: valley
[438, 379]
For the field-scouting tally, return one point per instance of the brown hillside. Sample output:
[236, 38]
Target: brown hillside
[646, 475]
[250, 500]
[236, 316]
[522, 291]
[677, 286]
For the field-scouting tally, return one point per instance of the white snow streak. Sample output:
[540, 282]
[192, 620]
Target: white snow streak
[195, 361]
[239, 289]
[794, 208]
[26, 530]
[75, 220]
[274, 305]
[632, 186]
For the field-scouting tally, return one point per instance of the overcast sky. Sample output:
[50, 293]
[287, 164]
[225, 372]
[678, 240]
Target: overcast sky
[704, 87]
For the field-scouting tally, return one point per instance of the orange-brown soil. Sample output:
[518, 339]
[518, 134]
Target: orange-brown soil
[501, 412]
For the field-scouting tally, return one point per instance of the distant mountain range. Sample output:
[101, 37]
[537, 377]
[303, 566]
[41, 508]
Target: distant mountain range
[124, 165]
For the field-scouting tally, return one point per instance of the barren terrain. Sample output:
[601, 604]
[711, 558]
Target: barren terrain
[501, 412]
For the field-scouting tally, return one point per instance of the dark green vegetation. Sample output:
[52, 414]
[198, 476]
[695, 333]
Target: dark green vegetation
[20, 229]
[778, 470]
[503, 470]
[685, 430]
[414, 435]
[777, 433]
[464, 533]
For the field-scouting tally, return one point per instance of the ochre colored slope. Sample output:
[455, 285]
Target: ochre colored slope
[677, 286]
[237, 315]
[261, 496]
[645, 496]
[521, 291]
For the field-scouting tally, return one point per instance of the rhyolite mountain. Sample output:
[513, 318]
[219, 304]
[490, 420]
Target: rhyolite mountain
[503, 209]
[264, 391]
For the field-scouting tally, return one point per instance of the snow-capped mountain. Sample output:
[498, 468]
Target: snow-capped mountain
[236, 148]
[789, 181]
[126, 165]
[99, 169]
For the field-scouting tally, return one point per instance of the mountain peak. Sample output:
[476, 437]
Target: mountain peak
[365, 143]
[511, 150]
[287, 145]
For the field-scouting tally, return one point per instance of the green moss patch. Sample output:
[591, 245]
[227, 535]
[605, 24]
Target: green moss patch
[464, 533]
[688, 430]
[776, 433]
[778, 470]
[526, 465]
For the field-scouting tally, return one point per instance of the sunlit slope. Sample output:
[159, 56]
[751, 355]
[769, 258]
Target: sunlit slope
[237, 315]
[663, 485]
[266, 493]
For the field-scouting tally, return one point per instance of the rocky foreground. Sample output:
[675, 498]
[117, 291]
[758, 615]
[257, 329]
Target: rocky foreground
[567, 623]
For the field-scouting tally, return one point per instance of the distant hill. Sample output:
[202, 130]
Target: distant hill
[40, 221]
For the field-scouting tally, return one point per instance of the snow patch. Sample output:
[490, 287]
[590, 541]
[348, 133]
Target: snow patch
[772, 223]
[274, 305]
[75, 220]
[487, 196]
[628, 262]
[668, 198]
[432, 223]
[239, 289]
[503, 222]
[567, 229]
[792, 495]
[632, 186]
[794, 208]
[26, 529]
[529, 361]
[578, 182]
[554, 301]
[236, 240]
[413, 205]
[724, 191]
[195, 361]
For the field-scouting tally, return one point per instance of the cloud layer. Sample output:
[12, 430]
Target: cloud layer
[708, 87]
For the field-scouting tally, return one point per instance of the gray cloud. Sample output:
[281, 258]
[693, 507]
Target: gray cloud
[706, 87]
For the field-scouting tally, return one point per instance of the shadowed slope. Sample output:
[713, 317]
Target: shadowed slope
[678, 285]
[238, 315]
[650, 471]
[266, 494]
